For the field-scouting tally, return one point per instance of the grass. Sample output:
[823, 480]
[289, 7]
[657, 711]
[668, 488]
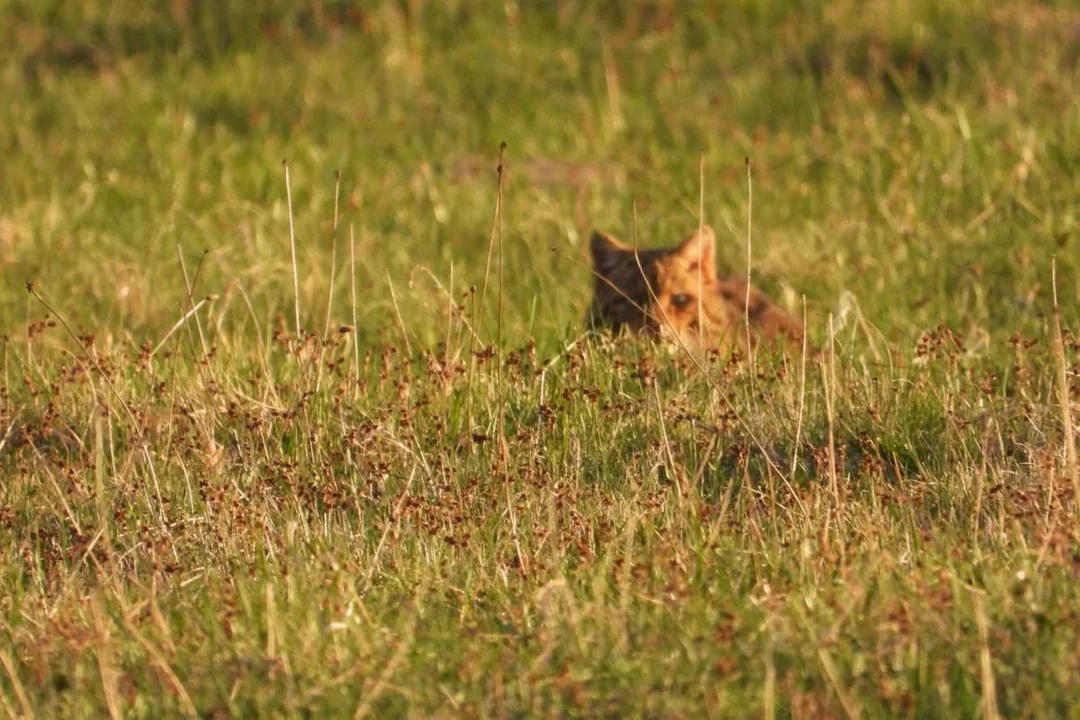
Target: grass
[428, 507]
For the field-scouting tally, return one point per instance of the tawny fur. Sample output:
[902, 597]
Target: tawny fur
[657, 292]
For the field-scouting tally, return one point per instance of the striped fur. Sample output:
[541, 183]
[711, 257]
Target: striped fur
[657, 292]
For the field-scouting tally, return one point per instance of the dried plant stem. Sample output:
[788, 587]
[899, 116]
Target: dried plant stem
[769, 691]
[189, 286]
[669, 456]
[494, 230]
[179, 323]
[333, 255]
[401, 654]
[478, 310]
[749, 246]
[504, 454]
[847, 702]
[828, 376]
[986, 665]
[292, 245]
[499, 320]
[450, 307]
[1063, 392]
[352, 301]
[321, 349]
[106, 659]
[471, 294]
[20, 693]
[397, 314]
[701, 247]
[611, 78]
[802, 400]
[160, 660]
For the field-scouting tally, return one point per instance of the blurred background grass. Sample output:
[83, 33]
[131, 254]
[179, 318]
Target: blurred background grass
[920, 155]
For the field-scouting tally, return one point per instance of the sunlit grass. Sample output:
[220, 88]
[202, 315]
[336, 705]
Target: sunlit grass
[393, 513]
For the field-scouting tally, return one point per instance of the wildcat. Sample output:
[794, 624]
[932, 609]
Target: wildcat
[660, 296]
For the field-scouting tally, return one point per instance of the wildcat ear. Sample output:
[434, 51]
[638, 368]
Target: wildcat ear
[607, 251]
[700, 245]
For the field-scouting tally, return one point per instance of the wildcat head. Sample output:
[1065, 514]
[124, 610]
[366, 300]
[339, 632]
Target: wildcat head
[671, 292]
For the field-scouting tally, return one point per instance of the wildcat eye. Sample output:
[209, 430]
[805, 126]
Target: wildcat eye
[680, 301]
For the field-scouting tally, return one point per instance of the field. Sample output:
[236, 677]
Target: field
[329, 439]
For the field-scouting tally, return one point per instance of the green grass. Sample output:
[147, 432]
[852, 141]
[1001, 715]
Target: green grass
[442, 509]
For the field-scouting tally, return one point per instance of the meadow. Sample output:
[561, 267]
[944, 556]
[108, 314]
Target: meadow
[299, 415]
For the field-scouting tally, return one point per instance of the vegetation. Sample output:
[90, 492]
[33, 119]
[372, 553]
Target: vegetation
[441, 497]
